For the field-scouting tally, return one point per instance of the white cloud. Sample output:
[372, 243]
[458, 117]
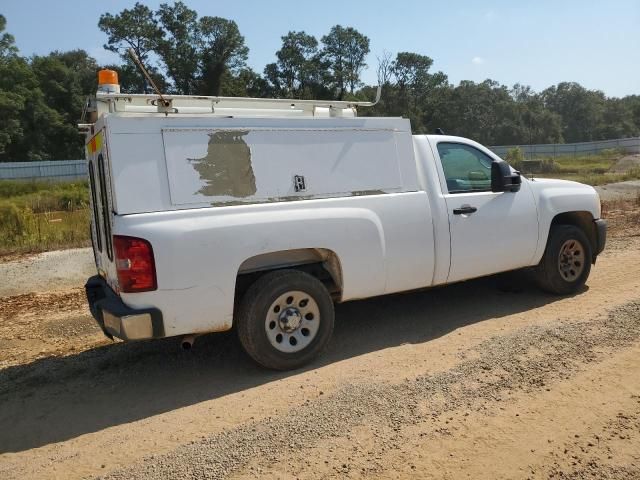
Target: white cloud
[477, 60]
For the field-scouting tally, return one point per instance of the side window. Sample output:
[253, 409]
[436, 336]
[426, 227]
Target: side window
[94, 202]
[104, 200]
[466, 168]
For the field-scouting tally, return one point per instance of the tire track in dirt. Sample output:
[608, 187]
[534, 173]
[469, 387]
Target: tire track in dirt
[501, 364]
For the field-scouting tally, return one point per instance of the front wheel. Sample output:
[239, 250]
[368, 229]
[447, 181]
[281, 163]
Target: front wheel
[285, 319]
[566, 263]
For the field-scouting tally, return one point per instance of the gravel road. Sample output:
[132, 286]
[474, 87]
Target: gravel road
[483, 379]
[47, 271]
[499, 366]
[619, 191]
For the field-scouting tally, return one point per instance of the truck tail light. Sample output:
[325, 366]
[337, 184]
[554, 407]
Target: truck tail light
[134, 264]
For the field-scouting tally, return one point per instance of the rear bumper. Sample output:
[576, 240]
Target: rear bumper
[601, 236]
[117, 319]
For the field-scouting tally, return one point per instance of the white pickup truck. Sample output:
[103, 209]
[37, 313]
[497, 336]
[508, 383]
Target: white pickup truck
[214, 213]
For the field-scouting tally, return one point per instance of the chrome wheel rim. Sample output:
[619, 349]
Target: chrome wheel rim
[292, 321]
[571, 260]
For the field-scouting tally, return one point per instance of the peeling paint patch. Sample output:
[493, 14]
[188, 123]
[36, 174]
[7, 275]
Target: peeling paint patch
[226, 168]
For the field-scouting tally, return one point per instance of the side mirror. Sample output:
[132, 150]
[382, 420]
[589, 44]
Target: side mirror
[502, 179]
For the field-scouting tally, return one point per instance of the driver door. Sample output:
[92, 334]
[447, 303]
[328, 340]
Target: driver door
[490, 232]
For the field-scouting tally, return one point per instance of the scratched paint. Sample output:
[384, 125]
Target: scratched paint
[226, 168]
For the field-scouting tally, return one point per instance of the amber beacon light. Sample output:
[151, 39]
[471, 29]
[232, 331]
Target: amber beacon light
[108, 81]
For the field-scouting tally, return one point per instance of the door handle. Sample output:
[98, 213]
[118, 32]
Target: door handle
[464, 209]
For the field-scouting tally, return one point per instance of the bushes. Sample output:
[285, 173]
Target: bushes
[43, 197]
[38, 216]
[14, 222]
[21, 230]
[515, 157]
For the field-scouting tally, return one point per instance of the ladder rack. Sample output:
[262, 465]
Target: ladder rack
[223, 106]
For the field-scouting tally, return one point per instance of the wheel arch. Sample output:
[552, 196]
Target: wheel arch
[322, 263]
[584, 221]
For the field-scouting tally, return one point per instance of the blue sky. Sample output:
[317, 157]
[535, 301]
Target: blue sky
[595, 43]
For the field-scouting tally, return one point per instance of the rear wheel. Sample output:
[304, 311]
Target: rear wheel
[285, 319]
[566, 263]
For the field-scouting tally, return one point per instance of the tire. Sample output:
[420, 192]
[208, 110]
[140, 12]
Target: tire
[566, 263]
[285, 319]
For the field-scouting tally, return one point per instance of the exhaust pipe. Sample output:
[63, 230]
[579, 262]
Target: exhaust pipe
[187, 342]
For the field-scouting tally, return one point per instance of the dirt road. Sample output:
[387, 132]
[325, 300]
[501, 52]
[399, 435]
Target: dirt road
[485, 379]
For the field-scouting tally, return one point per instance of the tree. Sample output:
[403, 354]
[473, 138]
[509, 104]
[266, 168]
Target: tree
[29, 126]
[411, 69]
[246, 83]
[65, 80]
[135, 28]
[223, 50]
[410, 90]
[300, 70]
[178, 48]
[197, 53]
[581, 110]
[25, 118]
[633, 103]
[617, 120]
[385, 68]
[296, 60]
[7, 42]
[346, 50]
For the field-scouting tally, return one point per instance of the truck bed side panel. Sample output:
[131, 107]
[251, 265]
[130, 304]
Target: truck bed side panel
[384, 244]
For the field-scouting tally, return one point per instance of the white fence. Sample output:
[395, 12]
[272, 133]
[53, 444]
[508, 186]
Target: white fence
[53, 170]
[631, 145]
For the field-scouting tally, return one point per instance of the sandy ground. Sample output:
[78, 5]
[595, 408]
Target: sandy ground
[619, 191]
[484, 379]
[629, 190]
[46, 272]
[626, 163]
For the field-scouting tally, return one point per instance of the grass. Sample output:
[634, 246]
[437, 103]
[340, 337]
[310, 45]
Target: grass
[623, 216]
[590, 169]
[594, 179]
[588, 164]
[41, 216]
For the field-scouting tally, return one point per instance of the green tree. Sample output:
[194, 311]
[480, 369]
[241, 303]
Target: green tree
[411, 73]
[246, 83]
[300, 71]
[581, 110]
[178, 48]
[515, 157]
[617, 120]
[27, 124]
[410, 90]
[297, 60]
[411, 69]
[11, 102]
[7, 42]
[223, 50]
[135, 28]
[633, 103]
[65, 80]
[346, 50]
